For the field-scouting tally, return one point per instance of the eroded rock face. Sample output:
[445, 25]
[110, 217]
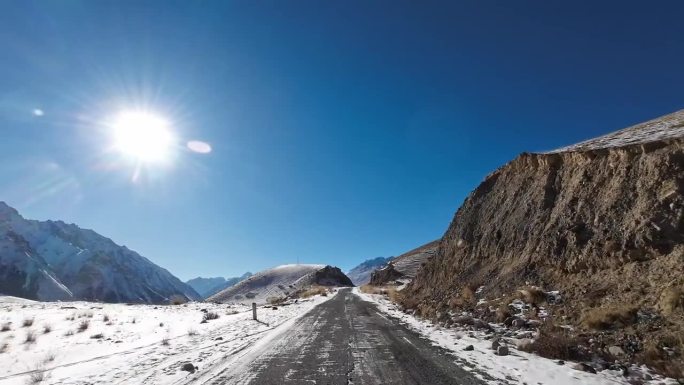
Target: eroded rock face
[332, 276]
[385, 275]
[603, 222]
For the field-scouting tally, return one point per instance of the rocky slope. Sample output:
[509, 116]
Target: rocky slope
[405, 266]
[206, 287]
[280, 282]
[602, 222]
[53, 260]
[361, 274]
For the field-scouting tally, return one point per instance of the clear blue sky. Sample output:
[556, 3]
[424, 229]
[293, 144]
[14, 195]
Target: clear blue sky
[341, 130]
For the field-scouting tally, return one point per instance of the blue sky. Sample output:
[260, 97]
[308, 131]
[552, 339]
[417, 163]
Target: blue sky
[341, 130]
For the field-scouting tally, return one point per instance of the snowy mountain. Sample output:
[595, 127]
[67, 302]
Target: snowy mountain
[281, 281]
[52, 260]
[361, 274]
[207, 287]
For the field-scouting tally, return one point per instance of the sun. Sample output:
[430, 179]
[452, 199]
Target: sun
[142, 136]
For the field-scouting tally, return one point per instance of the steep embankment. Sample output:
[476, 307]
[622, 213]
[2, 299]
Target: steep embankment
[601, 221]
[405, 266]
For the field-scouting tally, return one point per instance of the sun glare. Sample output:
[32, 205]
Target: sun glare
[143, 136]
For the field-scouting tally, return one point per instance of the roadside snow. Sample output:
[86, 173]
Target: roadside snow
[126, 344]
[517, 368]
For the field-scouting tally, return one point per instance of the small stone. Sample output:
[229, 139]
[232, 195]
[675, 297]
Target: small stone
[560, 362]
[519, 323]
[616, 351]
[584, 368]
[469, 348]
[218, 339]
[188, 367]
[502, 350]
[496, 344]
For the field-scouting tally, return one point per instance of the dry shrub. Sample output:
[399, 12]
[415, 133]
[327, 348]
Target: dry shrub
[192, 332]
[502, 313]
[30, 337]
[97, 336]
[83, 326]
[314, 290]
[5, 327]
[165, 341]
[370, 289]
[105, 318]
[36, 377]
[69, 333]
[27, 322]
[47, 329]
[4, 347]
[209, 316]
[532, 295]
[557, 343]
[671, 299]
[177, 300]
[276, 300]
[465, 299]
[604, 318]
[659, 361]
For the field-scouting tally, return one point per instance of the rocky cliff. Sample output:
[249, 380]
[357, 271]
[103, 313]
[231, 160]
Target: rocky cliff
[601, 221]
[405, 266]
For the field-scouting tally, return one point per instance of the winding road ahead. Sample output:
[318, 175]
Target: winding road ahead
[347, 341]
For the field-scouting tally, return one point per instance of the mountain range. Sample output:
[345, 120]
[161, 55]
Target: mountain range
[53, 260]
[206, 287]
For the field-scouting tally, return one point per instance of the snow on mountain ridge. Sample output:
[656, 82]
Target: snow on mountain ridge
[87, 264]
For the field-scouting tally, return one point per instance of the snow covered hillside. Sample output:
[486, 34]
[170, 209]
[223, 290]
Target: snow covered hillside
[278, 282]
[94, 343]
[53, 260]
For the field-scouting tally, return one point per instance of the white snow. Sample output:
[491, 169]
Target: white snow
[272, 283]
[666, 127]
[139, 343]
[517, 368]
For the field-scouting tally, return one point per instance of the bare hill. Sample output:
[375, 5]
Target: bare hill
[404, 266]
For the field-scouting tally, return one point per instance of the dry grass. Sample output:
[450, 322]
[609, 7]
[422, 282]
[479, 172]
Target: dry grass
[276, 300]
[27, 322]
[209, 316]
[671, 299]
[4, 347]
[30, 337]
[97, 336]
[557, 343]
[165, 341]
[36, 377]
[314, 290]
[105, 318]
[658, 360]
[177, 300]
[604, 318]
[390, 291]
[5, 327]
[192, 332]
[532, 295]
[465, 299]
[47, 329]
